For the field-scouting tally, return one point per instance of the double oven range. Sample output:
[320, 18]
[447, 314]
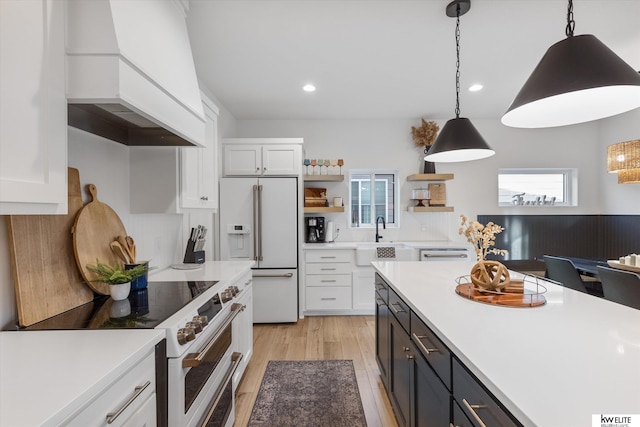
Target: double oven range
[194, 370]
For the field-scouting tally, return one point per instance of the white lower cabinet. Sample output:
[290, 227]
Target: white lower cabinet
[364, 289]
[129, 401]
[243, 327]
[329, 283]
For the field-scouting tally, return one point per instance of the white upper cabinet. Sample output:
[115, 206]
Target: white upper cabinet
[33, 108]
[262, 156]
[199, 171]
[174, 180]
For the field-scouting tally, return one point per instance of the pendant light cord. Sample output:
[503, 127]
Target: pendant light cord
[571, 24]
[457, 111]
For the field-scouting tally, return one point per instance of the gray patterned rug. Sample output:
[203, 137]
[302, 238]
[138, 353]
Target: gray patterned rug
[313, 393]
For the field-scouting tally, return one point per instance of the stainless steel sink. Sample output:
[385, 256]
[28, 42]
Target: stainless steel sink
[367, 252]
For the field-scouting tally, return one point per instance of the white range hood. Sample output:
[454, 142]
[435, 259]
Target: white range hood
[130, 72]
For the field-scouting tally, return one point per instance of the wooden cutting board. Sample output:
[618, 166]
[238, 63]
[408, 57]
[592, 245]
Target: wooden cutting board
[96, 226]
[46, 278]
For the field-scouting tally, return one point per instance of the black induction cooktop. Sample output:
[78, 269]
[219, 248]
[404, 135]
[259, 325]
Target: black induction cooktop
[143, 309]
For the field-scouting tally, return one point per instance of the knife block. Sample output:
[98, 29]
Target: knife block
[192, 256]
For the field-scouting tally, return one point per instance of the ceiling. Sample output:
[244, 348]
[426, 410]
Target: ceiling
[386, 59]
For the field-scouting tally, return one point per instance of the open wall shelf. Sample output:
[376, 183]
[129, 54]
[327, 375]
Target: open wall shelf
[430, 177]
[337, 178]
[324, 209]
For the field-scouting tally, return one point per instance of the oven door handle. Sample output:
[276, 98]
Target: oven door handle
[236, 358]
[193, 360]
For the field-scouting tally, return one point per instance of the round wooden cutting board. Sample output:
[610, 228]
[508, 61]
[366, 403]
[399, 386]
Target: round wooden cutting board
[96, 226]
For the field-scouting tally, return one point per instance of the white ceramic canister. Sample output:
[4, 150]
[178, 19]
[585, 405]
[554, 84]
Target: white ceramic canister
[329, 232]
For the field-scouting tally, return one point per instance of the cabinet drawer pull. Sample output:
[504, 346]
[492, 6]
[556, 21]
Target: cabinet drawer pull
[112, 416]
[327, 281]
[381, 288]
[327, 257]
[409, 357]
[472, 409]
[394, 309]
[418, 339]
[327, 269]
[328, 299]
[380, 301]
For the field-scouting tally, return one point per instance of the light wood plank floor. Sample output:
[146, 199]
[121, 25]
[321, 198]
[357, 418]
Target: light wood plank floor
[318, 338]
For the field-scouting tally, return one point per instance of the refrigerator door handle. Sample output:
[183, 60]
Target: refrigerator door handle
[256, 230]
[260, 222]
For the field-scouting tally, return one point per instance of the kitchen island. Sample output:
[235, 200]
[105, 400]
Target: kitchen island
[554, 365]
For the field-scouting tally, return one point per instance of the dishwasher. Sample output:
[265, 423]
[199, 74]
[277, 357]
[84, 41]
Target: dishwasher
[444, 254]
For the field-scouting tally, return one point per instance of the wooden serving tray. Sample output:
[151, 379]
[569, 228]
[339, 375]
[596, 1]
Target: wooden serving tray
[616, 264]
[520, 298]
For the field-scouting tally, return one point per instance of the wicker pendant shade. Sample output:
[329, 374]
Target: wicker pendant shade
[624, 158]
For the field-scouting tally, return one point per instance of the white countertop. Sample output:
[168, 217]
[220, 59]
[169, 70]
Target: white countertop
[48, 375]
[554, 365]
[209, 270]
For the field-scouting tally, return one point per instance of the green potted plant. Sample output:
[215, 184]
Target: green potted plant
[118, 279]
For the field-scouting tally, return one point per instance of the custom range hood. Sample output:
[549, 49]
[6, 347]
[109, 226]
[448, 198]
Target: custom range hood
[130, 72]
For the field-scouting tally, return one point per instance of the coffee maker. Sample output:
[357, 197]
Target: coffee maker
[314, 229]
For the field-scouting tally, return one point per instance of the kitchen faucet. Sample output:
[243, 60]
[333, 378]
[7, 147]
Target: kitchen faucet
[378, 236]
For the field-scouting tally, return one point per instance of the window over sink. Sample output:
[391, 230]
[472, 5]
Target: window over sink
[373, 193]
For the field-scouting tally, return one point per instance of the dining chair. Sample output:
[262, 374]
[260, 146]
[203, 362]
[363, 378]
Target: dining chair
[620, 286]
[563, 271]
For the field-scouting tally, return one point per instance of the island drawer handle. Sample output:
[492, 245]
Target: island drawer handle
[472, 409]
[380, 301]
[419, 339]
[395, 310]
[328, 299]
[112, 416]
[327, 281]
[327, 269]
[327, 257]
[381, 287]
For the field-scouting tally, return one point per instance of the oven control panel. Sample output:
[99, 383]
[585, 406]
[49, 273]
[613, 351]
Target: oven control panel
[197, 324]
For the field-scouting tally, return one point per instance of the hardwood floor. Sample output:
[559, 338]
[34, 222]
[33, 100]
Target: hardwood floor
[318, 338]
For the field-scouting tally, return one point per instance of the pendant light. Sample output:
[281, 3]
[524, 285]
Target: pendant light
[579, 79]
[458, 141]
[623, 158]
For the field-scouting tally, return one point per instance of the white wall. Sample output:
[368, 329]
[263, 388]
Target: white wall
[388, 144]
[618, 198]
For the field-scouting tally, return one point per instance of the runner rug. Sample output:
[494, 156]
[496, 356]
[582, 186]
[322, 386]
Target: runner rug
[313, 393]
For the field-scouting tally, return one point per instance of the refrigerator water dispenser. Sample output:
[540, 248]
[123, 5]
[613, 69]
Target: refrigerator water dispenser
[239, 244]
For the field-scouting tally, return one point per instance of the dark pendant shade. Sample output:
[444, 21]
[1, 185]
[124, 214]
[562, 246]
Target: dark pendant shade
[579, 79]
[459, 141]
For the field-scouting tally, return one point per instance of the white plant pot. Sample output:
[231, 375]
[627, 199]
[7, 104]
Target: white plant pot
[121, 291]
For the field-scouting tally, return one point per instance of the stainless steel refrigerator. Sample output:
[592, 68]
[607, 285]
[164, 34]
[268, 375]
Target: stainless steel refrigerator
[259, 221]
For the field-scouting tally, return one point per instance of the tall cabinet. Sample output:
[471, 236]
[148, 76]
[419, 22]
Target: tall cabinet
[33, 108]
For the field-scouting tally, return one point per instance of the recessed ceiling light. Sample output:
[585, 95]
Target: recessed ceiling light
[309, 88]
[475, 87]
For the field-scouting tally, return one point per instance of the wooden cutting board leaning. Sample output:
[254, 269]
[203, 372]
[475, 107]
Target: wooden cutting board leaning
[46, 278]
[96, 226]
